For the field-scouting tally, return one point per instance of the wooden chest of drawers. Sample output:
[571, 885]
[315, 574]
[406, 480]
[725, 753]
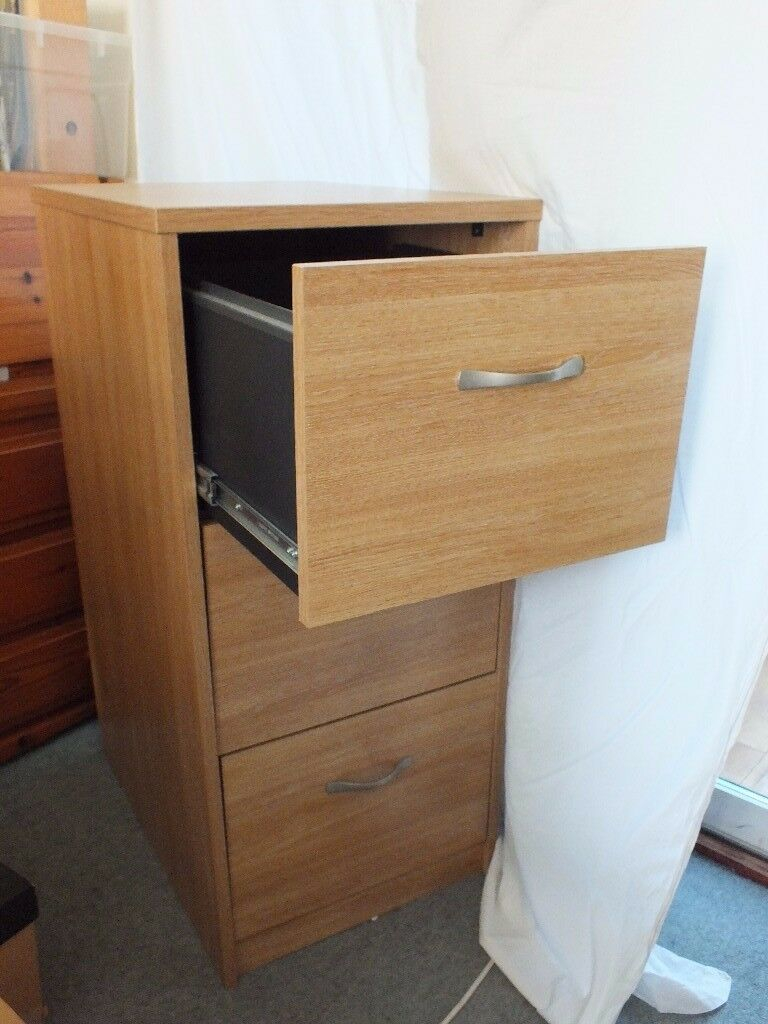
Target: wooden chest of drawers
[44, 674]
[465, 411]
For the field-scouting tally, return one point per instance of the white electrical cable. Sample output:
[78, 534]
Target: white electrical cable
[468, 994]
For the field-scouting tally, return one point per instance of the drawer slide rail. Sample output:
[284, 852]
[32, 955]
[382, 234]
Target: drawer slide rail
[216, 494]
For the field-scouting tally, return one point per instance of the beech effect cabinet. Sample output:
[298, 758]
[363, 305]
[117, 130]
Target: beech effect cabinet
[311, 433]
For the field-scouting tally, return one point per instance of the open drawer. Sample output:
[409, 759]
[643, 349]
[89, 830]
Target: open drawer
[459, 420]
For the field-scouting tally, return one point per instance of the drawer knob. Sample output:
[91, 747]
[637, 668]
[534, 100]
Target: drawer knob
[478, 380]
[345, 786]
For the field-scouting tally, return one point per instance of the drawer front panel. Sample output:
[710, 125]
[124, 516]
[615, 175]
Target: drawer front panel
[23, 312]
[22, 294]
[40, 580]
[42, 673]
[27, 401]
[19, 246]
[409, 488]
[32, 479]
[293, 847]
[272, 676]
[25, 342]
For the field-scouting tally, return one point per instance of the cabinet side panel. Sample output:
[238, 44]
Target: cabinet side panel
[120, 367]
[496, 791]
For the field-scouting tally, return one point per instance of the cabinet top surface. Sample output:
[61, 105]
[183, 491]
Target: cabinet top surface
[244, 206]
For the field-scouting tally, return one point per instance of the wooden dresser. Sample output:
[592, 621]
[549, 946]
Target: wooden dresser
[295, 529]
[45, 681]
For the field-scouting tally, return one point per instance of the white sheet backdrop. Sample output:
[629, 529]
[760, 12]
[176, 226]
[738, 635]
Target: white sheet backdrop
[638, 124]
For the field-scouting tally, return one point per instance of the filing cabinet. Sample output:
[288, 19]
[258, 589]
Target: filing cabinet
[312, 433]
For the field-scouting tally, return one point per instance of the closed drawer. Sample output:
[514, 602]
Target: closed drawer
[32, 478]
[294, 847]
[24, 333]
[39, 580]
[388, 483]
[22, 294]
[272, 676]
[27, 341]
[42, 673]
[19, 247]
[28, 400]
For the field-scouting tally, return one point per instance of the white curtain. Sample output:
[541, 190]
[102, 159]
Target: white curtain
[639, 125]
[291, 90]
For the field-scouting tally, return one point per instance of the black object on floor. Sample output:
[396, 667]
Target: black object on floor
[18, 904]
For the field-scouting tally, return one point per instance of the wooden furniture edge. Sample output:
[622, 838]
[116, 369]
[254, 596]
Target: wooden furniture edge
[32, 179]
[748, 865]
[116, 313]
[7, 1015]
[59, 197]
[496, 789]
[379, 899]
[33, 734]
[89, 201]
[20, 987]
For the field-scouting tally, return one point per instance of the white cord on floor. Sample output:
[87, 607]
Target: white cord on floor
[468, 994]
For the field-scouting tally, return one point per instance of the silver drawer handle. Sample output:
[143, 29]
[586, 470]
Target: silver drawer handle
[476, 380]
[342, 786]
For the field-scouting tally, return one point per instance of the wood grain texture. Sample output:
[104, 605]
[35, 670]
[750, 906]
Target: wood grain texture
[44, 675]
[22, 294]
[72, 12]
[16, 187]
[28, 400]
[32, 478]
[25, 342]
[744, 863]
[242, 206]
[280, 820]
[35, 733]
[24, 334]
[356, 908]
[121, 377]
[42, 672]
[20, 976]
[464, 239]
[19, 247]
[7, 1015]
[408, 489]
[40, 576]
[272, 676]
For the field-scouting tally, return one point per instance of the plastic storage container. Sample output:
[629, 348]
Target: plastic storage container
[64, 96]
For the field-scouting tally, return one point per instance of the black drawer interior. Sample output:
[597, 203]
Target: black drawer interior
[238, 329]
[240, 354]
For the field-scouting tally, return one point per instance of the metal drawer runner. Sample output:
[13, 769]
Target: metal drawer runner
[239, 518]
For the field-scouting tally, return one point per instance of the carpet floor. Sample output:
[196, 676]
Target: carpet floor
[116, 947]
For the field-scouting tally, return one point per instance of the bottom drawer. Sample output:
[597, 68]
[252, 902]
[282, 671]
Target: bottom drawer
[296, 843]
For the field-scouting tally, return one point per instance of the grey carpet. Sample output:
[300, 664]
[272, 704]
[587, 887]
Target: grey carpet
[116, 947]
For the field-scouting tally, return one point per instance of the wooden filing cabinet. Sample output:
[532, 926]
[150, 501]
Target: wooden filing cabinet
[301, 650]
[45, 681]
